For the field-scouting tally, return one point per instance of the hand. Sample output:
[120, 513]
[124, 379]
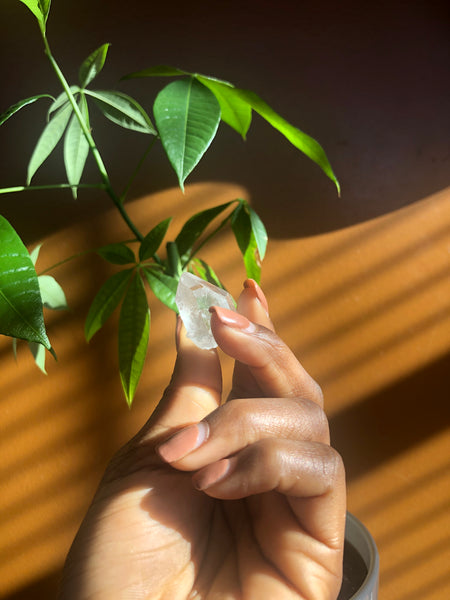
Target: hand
[239, 501]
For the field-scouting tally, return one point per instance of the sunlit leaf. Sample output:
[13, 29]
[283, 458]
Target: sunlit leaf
[16, 107]
[38, 352]
[76, 146]
[242, 229]
[21, 313]
[48, 140]
[92, 66]
[187, 116]
[153, 239]
[40, 9]
[52, 293]
[122, 110]
[202, 269]
[259, 231]
[163, 286]
[134, 328]
[34, 254]
[194, 227]
[299, 139]
[105, 302]
[235, 112]
[117, 254]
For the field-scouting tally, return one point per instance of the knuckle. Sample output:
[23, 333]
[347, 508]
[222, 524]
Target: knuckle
[333, 467]
[313, 420]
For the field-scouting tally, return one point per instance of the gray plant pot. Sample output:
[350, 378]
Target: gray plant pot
[361, 563]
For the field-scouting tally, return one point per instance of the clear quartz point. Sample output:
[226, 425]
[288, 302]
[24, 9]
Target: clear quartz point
[194, 298]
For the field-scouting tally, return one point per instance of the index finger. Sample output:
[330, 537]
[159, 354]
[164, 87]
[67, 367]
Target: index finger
[193, 392]
[272, 364]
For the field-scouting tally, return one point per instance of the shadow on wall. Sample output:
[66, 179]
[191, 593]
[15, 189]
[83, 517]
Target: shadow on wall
[391, 421]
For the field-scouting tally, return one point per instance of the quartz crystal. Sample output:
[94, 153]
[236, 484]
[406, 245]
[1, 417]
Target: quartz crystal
[194, 297]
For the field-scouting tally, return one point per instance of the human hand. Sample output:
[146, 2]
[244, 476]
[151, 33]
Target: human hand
[243, 501]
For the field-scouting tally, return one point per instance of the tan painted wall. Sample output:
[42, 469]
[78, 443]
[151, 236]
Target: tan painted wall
[359, 286]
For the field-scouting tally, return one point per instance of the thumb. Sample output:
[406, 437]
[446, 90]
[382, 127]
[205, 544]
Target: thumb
[193, 392]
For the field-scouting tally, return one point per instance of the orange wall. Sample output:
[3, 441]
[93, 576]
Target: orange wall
[359, 286]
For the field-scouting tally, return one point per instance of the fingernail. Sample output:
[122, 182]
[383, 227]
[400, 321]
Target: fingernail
[233, 319]
[183, 442]
[251, 284]
[213, 474]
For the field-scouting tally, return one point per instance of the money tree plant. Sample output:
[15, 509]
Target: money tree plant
[186, 115]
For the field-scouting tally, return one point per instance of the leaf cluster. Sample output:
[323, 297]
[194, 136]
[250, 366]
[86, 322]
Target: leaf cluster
[126, 288]
[186, 115]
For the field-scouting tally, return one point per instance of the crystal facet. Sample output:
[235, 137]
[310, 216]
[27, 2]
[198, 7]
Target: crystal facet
[194, 298]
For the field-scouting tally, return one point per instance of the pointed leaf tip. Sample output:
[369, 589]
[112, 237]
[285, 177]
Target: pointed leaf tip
[92, 65]
[187, 116]
[134, 328]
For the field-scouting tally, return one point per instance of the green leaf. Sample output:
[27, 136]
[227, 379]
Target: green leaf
[157, 71]
[122, 110]
[48, 140]
[134, 328]
[235, 112]
[21, 314]
[16, 107]
[34, 254]
[105, 302]
[174, 260]
[92, 66]
[117, 254]
[194, 227]
[202, 269]
[62, 100]
[76, 146]
[242, 229]
[299, 139]
[163, 286]
[38, 352]
[153, 239]
[52, 293]
[259, 231]
[187, 116]
[40, 9]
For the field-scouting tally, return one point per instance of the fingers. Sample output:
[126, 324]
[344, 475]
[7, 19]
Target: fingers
[271, 363]
[193, 392]
[250, 446]
[293, 468]
[241, 423]
[253, 304]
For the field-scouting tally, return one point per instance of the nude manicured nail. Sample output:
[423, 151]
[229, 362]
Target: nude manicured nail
[233, 319]
[213, 474]
[183, 442]
[251, 284]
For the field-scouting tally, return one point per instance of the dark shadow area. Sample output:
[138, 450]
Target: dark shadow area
[385, 424]
[43, 589]
[370, 83]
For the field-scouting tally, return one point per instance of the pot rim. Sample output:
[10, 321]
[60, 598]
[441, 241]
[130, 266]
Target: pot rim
[359, 536]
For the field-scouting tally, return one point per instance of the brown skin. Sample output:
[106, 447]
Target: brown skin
[247, 505]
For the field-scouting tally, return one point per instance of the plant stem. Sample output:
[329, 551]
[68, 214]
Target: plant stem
[90, 140]
[56, 186]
